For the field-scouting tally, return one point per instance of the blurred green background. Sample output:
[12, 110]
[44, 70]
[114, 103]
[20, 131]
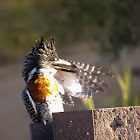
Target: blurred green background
[95, 32]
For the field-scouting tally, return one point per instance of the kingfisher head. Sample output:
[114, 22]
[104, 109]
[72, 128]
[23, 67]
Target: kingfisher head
[43, 55]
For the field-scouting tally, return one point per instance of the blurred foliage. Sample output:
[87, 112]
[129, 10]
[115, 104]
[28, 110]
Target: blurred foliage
[136, 99]
[88, 103]
[124, 83]
[114, 24]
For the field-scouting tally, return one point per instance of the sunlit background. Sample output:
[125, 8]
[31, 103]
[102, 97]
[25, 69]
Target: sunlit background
[88, 31]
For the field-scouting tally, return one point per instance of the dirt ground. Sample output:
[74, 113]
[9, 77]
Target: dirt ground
[14, 119]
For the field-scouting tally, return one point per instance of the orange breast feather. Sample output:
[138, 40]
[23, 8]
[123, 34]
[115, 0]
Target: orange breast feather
[41, 89]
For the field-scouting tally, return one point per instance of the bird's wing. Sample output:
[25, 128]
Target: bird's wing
[30, 105]
[64, 65]
[67, 99]
[83, 81]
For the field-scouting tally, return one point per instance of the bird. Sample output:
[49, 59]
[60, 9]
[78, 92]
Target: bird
[52, 81]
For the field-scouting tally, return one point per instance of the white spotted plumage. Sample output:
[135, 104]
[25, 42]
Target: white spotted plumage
[72, 79]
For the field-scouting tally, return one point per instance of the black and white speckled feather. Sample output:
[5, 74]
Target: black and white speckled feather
[83, 82]
[30, 107]
[40, 56]
[41, 112]
[73, 79]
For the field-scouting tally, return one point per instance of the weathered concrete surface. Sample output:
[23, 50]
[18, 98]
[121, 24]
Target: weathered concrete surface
[122, 123]
[75, 125]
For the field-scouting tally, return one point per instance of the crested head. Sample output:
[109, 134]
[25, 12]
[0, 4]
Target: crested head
[46, 49]
[41, 55]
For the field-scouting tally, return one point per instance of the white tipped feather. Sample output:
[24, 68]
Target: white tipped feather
[31, 73]
[92, 69]
[32, 102]
[87, 67]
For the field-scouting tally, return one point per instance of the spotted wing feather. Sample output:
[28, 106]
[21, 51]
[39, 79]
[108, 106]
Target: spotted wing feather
[30, 106]
[83, 82]
[87, 78]
[39, 112]
[89, 69]
[67, 99]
